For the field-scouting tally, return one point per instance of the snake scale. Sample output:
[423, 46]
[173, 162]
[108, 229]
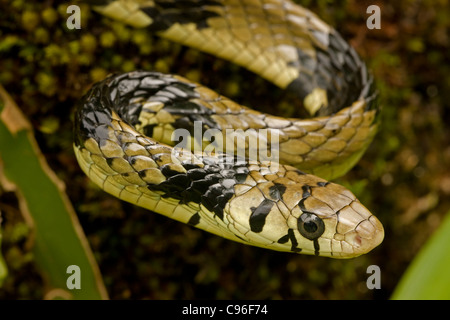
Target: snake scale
[125, 124]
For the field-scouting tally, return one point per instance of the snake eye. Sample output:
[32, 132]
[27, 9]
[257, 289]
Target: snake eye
[310, 226]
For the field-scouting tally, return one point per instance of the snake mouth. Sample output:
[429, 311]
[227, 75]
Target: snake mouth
[369, 234]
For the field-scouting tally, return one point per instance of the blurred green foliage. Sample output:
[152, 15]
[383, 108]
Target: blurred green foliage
[427, 277]
[57, 239]
[404, 177]
[3, 266]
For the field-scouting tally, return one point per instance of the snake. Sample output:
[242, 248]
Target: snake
[127, 125]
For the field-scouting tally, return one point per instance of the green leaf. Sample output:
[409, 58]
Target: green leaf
[428, 276]
[3, 268]
[58, 240]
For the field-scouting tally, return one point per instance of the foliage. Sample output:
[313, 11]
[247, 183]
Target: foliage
[58, 241]
[427, 277]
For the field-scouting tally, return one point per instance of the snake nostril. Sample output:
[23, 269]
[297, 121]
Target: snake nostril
[367, 235]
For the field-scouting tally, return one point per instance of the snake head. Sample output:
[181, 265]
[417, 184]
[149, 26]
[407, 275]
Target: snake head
[336, 223]
[297, 212]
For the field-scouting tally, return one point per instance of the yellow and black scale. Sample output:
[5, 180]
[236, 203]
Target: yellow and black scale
[124, 126]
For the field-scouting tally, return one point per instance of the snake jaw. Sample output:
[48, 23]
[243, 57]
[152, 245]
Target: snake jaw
[361, 236]
[368, 235]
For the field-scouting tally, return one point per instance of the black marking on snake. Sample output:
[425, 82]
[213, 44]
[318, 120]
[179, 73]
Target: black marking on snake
[101, 134]
[166, 13]
[276, 191]
[283, 239]
[294, 243]
[176, 99]
[194, 220]
[92, 119]
[183, 107]
[241, 177]
[211, 185]
[187, 122]
[157, 158]
[338, 70]
[259, 214]
[241, 173]
[168, 172]
[301, 86]
[323, 184]
[110, 161]
[142, 174]
[119, 93]
[175, 96]
[316, 247]
[306, 191]
[148, 129]
[173, 93]
[301, 204]
[181, 180]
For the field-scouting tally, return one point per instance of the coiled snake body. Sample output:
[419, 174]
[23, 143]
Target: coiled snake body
[124, 124]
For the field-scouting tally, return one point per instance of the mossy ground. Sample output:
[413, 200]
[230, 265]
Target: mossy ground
[404, 178]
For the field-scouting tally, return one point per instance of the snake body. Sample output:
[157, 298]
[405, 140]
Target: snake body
[125, 124]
